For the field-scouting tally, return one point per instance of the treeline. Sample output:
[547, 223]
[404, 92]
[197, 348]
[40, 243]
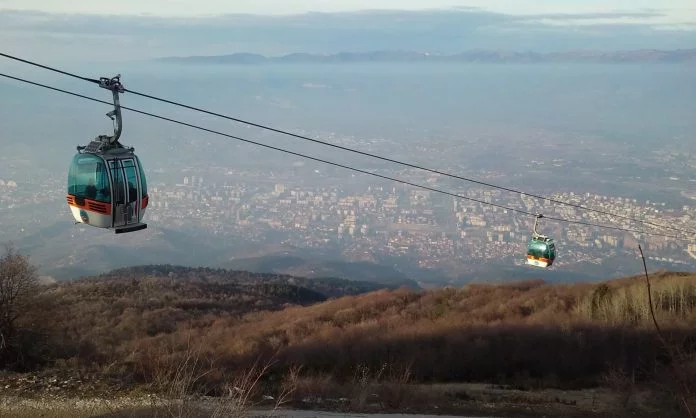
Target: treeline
[329, 286]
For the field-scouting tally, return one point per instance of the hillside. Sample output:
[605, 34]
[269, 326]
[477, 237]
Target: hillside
[136, 326]
[579, 56]
[301, 266]
[328, 287]
[528, 333]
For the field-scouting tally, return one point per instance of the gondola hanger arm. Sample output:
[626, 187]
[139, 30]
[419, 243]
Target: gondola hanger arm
[114, 84]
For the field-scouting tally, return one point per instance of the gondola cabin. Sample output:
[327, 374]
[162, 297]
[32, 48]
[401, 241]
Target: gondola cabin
[107, 188]
[541, 251]
[106, 182]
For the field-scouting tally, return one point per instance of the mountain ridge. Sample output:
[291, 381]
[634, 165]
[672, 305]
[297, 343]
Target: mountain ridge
[472, 56]
[326, 287]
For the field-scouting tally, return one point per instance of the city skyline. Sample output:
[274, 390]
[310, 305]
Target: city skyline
[620, 131]
[369, 221]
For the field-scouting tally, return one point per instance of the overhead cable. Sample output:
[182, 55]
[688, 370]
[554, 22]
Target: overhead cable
[368, 154]
[176, 121]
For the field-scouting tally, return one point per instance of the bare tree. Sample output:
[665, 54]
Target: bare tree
[19, 284]
[677, 361]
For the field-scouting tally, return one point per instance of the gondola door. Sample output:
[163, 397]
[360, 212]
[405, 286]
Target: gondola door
[126, 192]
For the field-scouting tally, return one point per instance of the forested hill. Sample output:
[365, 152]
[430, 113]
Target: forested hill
[136, 326]
[314, 289]
[570, 334]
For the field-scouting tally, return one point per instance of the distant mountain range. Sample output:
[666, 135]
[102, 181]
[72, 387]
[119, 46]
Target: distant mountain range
[587, 56]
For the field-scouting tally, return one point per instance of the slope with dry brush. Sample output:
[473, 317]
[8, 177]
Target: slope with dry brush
[526, 335]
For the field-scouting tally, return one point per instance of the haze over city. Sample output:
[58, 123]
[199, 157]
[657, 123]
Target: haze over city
[550, 123]
[365, 285]
[127, 30]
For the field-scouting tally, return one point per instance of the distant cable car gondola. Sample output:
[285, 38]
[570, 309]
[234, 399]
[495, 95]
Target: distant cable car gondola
[106, 182]
[541, 250]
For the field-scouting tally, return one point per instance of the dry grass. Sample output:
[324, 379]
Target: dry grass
[530, 333]
[452, 399]
[674, 298]
[192, 336]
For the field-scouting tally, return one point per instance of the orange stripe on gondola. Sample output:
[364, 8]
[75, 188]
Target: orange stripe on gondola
[146, 200]
[91, 205]
[531, 257]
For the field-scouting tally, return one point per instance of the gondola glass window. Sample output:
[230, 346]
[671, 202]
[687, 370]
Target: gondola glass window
[88, 178]
[143, 181]
[132, 180]
[539, 248]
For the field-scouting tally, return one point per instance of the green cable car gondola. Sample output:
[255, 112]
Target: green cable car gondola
[106, 182]
[541, 250]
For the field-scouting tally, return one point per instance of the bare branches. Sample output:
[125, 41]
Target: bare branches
[242, 390]
[18, 285]
[675, 360]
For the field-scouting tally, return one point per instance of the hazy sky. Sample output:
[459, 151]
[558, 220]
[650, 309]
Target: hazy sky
[79, 30]
[678, 10]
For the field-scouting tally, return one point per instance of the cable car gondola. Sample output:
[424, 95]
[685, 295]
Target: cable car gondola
[106, 182]
[541, 250]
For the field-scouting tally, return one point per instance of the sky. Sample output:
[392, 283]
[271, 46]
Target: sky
[136, 29]
[676, 10]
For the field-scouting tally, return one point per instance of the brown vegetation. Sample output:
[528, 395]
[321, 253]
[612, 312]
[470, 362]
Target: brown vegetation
[529, 335]
[22, 326]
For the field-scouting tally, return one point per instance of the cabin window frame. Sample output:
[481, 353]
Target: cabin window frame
[143, 180]
[80, 175]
